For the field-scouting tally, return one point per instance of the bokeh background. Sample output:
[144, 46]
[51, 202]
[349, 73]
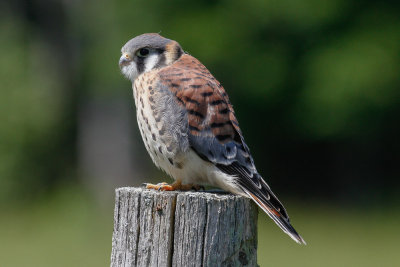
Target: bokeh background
[315, 85]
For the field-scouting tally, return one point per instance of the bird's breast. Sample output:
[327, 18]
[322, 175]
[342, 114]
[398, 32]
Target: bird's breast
[159, 125]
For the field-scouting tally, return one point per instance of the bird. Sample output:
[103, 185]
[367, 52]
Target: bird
[189, 127]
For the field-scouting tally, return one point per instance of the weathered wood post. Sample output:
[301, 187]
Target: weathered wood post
[183, 229]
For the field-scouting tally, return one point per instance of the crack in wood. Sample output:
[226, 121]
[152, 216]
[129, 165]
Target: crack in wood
[183, 229]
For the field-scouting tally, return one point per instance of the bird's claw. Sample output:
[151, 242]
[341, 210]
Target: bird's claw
[159, 187]
[177, 185]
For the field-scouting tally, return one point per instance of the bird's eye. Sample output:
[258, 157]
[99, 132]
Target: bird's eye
[143, 52]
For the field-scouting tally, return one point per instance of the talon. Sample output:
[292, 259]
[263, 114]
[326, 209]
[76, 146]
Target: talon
[177, 185]
[152, 186]
[167, 187]
[159, 187]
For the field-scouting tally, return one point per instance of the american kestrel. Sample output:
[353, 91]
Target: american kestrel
[189, 127]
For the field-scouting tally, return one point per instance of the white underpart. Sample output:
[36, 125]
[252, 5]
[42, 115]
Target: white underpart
[197, 171]
[130, 71]
[150, 62]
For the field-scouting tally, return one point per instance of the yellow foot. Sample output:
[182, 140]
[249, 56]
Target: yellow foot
[177, 185]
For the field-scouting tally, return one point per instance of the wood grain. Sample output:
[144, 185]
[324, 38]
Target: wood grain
[183, 229]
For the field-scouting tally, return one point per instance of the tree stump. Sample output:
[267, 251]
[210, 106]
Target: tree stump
[183, 229]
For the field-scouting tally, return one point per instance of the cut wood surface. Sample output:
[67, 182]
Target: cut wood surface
[154, 228]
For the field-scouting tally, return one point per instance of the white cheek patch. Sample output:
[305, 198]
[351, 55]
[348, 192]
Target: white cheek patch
[150, 62]
[130, 71]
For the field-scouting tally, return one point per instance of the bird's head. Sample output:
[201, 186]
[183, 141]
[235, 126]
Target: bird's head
[147, 52]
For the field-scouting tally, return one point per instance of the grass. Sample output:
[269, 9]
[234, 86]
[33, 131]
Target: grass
[335, 237]
[62, 231]
[68, 230]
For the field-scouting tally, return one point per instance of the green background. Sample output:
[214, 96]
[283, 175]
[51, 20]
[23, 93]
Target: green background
[315, 86]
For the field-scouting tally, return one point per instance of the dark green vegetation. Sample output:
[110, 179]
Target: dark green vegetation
[316, 89]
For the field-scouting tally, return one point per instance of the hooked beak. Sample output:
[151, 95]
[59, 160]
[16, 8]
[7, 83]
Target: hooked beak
[124, 60]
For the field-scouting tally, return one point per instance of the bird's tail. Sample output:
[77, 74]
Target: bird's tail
[271, 205]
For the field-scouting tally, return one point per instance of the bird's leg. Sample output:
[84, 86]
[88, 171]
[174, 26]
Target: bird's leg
[177, 185]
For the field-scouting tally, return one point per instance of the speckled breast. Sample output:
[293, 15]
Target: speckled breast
[161, 122]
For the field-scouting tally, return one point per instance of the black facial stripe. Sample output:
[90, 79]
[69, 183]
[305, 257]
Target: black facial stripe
[140, 64]
[178, 52]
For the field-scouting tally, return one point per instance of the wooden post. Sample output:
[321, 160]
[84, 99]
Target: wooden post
[183, 229]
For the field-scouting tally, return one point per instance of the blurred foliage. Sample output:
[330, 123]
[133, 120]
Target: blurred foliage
[315, 85]
[32, 110]
[316, 89]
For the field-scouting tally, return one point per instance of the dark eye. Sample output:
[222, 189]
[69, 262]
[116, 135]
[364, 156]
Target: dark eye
[143, 52]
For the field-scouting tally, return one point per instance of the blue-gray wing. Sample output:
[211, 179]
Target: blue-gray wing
[214, 133]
